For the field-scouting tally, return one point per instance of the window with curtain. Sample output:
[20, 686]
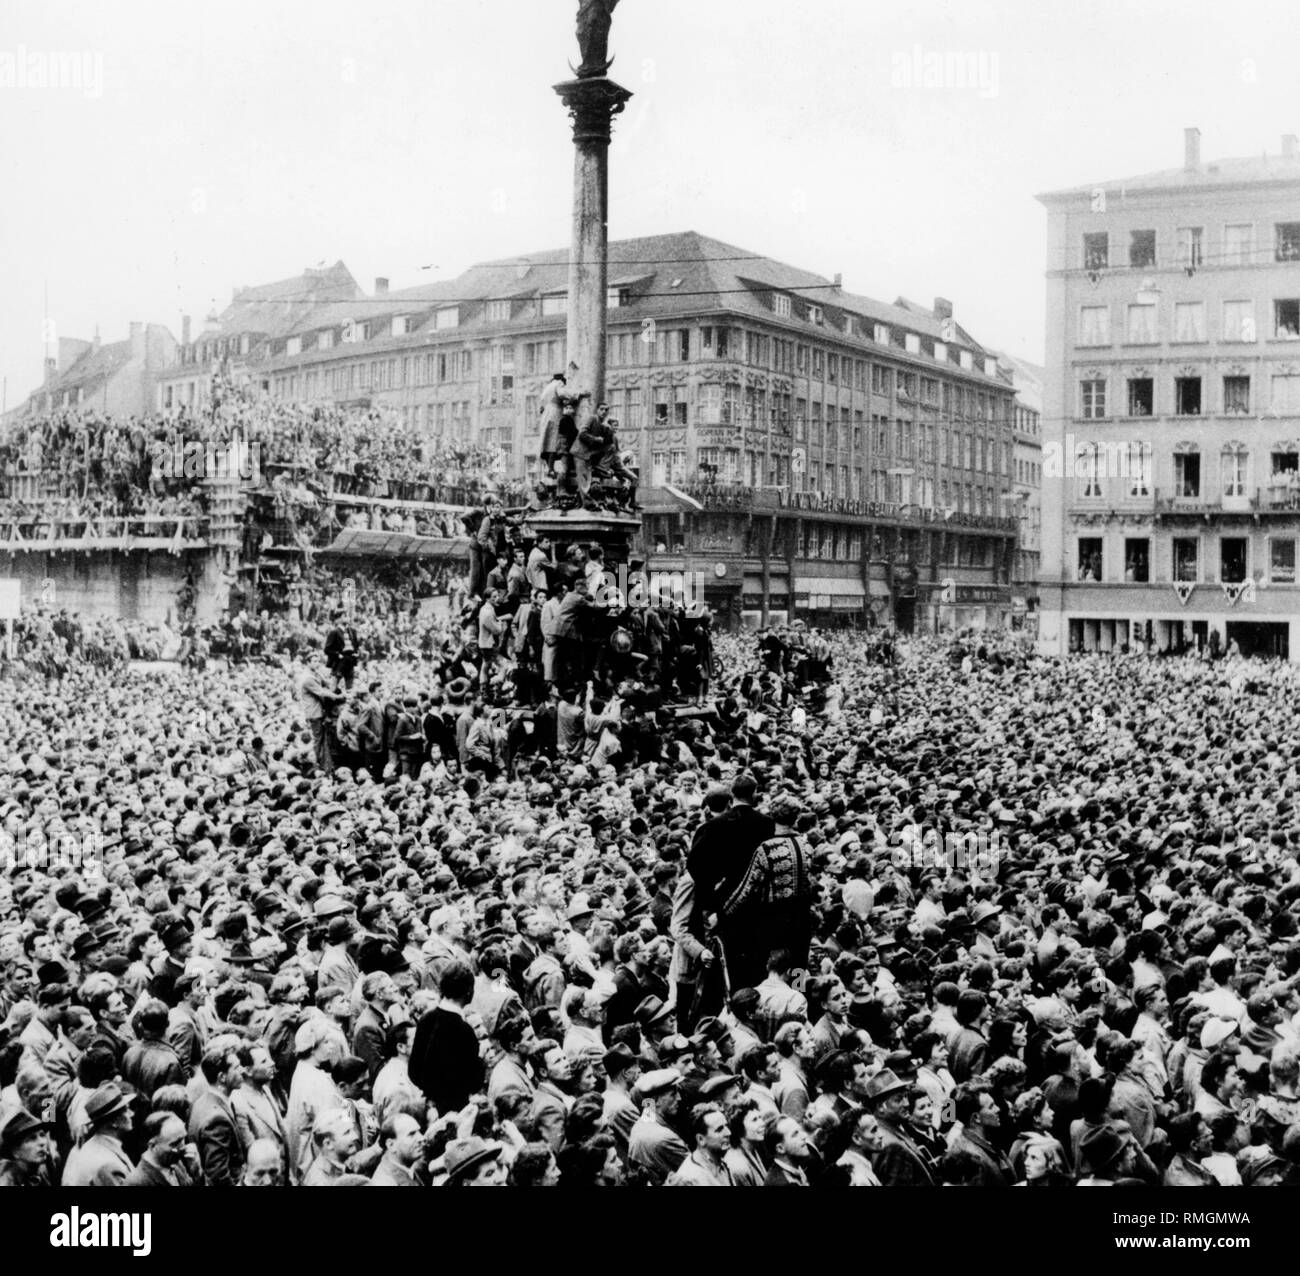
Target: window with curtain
[1235, 465]
[1094, 325]
[1141, 323]
[1189, 321]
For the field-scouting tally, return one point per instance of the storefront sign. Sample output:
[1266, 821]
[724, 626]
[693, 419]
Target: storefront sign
[965, 595]
[729, 436]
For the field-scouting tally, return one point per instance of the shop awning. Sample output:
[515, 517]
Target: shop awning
[666, 499]
[836, 585]
[356, 542]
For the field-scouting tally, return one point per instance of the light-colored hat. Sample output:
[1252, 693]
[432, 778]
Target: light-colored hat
[1215, 1032]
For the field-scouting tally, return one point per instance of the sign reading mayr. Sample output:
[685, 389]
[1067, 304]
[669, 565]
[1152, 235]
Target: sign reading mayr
[955, 593]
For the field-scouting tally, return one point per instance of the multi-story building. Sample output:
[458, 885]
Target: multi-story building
[117, 378]
[1025, 500]
[1172, 408]
[241, 338]
[808, 449]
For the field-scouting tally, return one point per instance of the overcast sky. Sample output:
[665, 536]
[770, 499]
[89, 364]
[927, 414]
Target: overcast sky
[213, 146]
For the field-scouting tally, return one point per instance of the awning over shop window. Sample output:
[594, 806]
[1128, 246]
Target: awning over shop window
[666, 499]
[355, 542]
[830, 585]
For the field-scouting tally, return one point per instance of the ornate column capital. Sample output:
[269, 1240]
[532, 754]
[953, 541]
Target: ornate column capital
[593, 103]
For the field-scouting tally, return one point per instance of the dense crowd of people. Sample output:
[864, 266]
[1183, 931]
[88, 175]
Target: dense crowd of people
[892, 917]
[92, 464]
[53, 642]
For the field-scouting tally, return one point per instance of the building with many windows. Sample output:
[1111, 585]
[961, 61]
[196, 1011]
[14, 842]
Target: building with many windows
[1172, 408]
[116, 377]
[808, 449]
[1025, 502]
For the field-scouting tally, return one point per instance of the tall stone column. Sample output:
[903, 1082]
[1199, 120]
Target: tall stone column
[592, 102]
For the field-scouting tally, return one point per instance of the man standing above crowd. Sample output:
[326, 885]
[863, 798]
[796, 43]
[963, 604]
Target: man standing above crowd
[722, 846]
[319, 706]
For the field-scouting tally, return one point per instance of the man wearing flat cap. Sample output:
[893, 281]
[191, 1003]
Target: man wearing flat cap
[654, 1148]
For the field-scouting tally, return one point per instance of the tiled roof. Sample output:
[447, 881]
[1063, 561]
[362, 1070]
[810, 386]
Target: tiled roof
[1225, 172]
[289, 305]
[685, 273]
[92, 369]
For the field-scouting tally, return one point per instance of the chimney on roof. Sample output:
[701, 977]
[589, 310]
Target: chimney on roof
[1290, 146]
[1191, 149]
[185, 330]
[838, 281]
[137, 341]
[381, 285]
[942, 308]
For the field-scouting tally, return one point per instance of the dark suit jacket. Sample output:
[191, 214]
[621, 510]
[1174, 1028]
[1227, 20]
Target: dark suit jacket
[900, 1162]
[445, 1061]
[995, 1169]
[969, 1051]
[148, 1065]
[212, 1128]
[368, 1040]
[629, 992]
[721, 850]
[146, 1174]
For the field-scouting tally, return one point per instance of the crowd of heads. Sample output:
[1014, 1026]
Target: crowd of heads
[89, 463]
[222, 963]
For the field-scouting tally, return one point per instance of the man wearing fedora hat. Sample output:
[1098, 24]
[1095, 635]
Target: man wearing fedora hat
[898, 1162]
[1106, 1156]
[473, 1162]
[26, 1153]
[101, 1160]
[986, 917]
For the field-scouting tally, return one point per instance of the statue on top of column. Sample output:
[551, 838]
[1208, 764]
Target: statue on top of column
[595, 17]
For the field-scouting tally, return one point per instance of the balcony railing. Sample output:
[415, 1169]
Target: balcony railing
[1278, 499]
[736, 496]
[33, 533]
